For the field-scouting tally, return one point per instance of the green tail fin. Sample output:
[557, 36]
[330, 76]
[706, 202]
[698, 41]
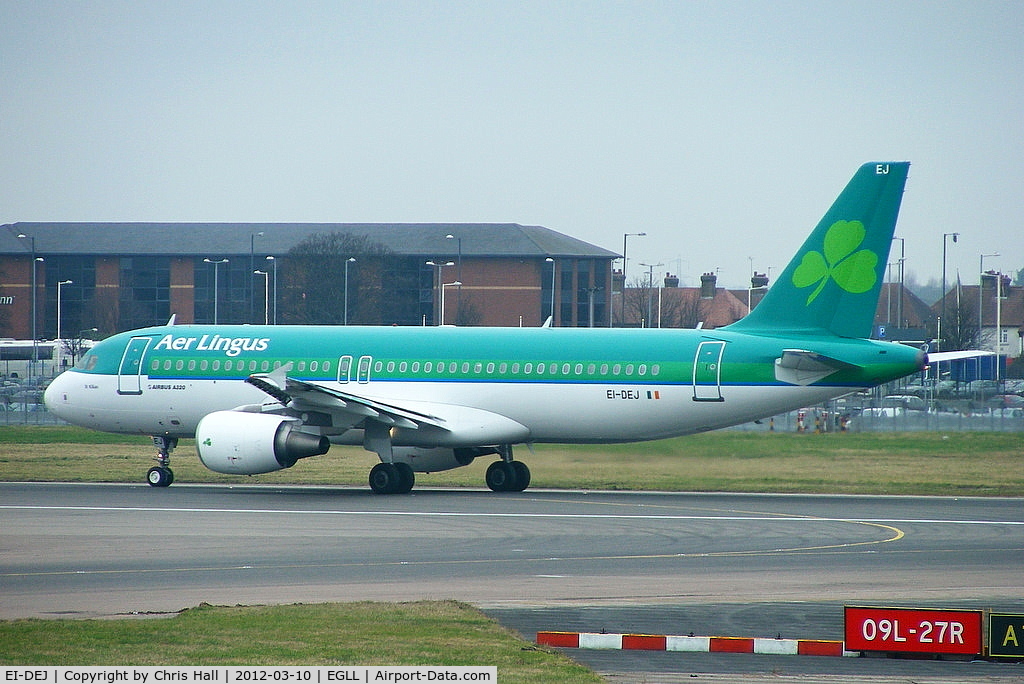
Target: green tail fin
[833, 282]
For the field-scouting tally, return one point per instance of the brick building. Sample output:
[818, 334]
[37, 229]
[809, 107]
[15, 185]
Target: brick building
[119, 276]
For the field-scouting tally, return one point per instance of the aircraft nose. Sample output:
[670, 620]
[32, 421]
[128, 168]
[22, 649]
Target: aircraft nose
[55, 395]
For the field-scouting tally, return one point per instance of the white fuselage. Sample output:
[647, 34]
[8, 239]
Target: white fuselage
[552, 412]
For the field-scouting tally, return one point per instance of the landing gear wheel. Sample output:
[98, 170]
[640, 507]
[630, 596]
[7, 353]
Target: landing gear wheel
[522, 476]
[160, 477]
[406, 478]
[392, 478]
[499, 476]
[508, 476]
[383, 478]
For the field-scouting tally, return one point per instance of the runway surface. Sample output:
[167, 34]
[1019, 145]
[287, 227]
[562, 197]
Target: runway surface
[92, 550]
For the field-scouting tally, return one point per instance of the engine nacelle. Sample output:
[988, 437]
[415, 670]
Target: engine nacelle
[432, 460]
[251, 443]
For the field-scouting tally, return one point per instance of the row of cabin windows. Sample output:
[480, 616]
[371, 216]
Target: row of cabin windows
[215, 365]
[440, 368]
[517, 368]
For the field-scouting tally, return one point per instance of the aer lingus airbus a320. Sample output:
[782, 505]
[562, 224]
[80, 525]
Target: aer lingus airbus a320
[258, 399]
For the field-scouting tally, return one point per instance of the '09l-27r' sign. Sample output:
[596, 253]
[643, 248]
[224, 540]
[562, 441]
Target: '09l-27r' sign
[913, 630]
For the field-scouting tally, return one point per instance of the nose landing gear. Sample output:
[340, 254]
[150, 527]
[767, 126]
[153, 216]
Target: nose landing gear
[162, 475]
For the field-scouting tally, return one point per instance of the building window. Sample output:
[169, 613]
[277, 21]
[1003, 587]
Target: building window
[145, 292]
[77, 299]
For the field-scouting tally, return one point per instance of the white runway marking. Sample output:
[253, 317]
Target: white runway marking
[555, 516]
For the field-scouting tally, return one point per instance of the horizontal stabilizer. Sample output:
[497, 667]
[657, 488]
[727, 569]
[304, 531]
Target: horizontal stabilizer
[936, 357]
[802, 367]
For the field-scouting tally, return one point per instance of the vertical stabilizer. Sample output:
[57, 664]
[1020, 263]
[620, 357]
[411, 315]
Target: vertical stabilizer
[833, 282]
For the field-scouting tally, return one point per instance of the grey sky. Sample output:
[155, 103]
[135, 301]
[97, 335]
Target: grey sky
[721, 129]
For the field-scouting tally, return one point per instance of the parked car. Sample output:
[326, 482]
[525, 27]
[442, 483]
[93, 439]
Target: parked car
[917, 389]
[905, 401]
[984, 387]
[1006, 401]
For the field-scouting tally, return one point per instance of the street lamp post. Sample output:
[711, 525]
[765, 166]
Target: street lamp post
[252, 268]
[266, 294]
[552, 261]
[888, 294]
[624, 262]
[438, 265]
[999, 320]
[942, 319]
[35, 342]
[650, 286]
[457, 283]
[458, 269]
[216, 267]
[272, 259]
[61, 283]
[899, 305]
[347, 262]
[590, 304]
[981, 287]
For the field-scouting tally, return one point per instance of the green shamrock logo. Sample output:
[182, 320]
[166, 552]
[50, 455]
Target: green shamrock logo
[853, 270]
[207, 442]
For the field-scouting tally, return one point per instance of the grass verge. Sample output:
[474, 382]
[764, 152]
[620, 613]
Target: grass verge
[911, 463]
[442, 633]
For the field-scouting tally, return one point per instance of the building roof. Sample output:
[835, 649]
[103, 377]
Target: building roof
[684, 307]
[219, 239]
[915, 312]
[1011, 310]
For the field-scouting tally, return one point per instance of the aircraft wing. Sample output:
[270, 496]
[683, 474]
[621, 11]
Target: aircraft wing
[312, 396]
[442, 424]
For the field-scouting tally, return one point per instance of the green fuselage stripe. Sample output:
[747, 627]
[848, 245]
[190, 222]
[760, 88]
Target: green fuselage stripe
[534, 355]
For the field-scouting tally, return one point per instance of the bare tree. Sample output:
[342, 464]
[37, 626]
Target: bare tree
[467, 313]
[638, 303]
[961, 331]
[314, 282]
[105, 311]
[682, 308]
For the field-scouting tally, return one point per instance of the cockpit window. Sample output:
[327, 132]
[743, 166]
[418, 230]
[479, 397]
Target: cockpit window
[87, 362]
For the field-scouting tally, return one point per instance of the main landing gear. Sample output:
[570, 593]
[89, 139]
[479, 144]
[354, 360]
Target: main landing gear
[507, 475]
[392, 478]
[397, 477]
[162, 475]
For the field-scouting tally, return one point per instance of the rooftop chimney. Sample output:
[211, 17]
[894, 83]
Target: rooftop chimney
[618, 280]
[707, 285]
[671, 280]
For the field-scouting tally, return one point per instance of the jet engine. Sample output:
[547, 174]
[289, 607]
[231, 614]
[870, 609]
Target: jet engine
[251, 443]
[432, 460]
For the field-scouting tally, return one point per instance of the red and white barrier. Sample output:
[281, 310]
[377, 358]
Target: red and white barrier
[693, 644]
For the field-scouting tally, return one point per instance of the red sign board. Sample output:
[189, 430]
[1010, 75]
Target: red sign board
[914, 630]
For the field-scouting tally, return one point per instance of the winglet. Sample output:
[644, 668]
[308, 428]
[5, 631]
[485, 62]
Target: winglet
[833, 283]
[273, 383]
